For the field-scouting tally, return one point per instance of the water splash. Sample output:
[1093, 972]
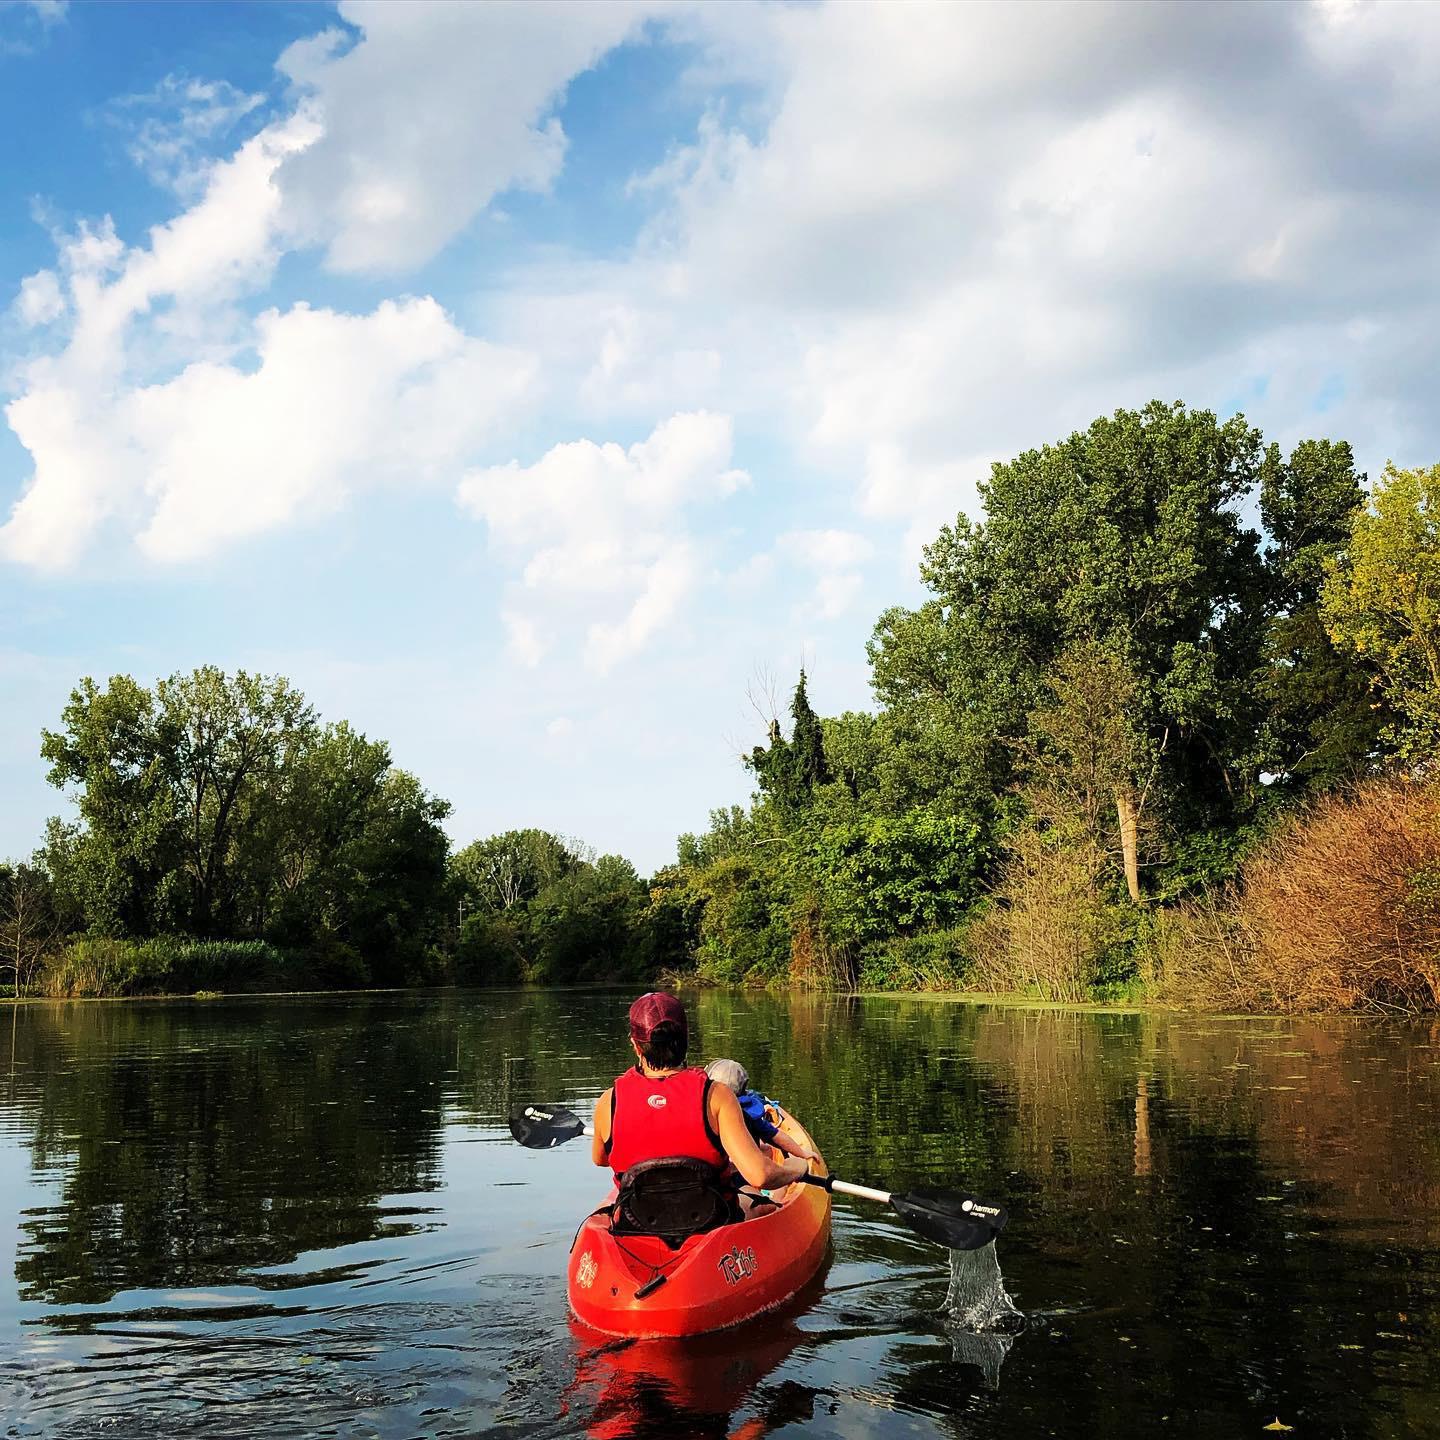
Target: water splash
[977, 1300]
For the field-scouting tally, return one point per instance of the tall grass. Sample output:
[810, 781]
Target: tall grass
[1052, 928]
[165, 965]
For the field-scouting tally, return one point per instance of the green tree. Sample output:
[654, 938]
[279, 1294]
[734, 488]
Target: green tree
[1381, 602]
[507, 870]
[790, 771]
[218, 806]
[1125, 535]
[171, 788]
[731, 829]
[1083, 748]
[1321, 726]
[394, 880]
[226, 742]
[887, 876]
[109, 753]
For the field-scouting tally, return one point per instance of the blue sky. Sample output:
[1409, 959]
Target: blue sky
[534, 384]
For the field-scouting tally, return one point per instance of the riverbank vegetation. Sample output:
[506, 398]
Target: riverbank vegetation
[1131, 746]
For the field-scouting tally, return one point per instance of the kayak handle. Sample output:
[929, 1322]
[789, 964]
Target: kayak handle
[844, 1187]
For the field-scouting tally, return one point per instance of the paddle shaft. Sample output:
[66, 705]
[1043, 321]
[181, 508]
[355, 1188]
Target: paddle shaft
[860, 1192]
[844, 1187]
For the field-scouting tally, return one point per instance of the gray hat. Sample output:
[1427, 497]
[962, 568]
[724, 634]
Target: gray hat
[731, 1073]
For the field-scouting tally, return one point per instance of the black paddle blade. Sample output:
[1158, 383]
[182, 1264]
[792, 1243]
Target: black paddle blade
[959, 1222]
[539, 1127]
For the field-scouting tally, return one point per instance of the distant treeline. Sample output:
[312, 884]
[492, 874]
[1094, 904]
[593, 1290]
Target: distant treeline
[1132, 747]
[228, 839]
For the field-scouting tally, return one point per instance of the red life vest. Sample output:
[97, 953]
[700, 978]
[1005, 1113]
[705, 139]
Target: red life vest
[662, 1119]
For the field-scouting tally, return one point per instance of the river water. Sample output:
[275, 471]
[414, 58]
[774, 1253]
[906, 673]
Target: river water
[305, 1216]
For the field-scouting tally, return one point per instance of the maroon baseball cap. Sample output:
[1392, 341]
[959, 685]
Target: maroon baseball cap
[653, 1010]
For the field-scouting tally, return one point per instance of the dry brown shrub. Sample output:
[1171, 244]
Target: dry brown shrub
[1338, 911]
[1342, 906]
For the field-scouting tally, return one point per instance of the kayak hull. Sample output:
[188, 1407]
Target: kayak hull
[714, 1280]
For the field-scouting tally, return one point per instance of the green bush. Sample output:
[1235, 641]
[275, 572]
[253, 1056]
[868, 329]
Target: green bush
[745, 925]
[887, 876]
[489, 952]
[931, 960]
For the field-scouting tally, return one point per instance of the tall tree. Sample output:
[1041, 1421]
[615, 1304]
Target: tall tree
[508, 870]
[1083, 749]
[790, 771]
[1322, 725]
[227, 742]
[1125, 535]
[217, 806]
[112, 864]
[171, 785]
[1382, 602]
[29, 924]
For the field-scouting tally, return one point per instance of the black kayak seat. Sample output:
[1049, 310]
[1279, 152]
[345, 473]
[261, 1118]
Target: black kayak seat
[672, 1199]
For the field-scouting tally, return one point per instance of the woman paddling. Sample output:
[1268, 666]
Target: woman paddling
[660, 1109]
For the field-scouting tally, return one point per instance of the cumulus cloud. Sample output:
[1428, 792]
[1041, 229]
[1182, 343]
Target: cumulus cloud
[960, 230]
[40, 299]
[219, 453]
[202, 425]
[430, 114]
[154, 392]
[596, 534]
[942, 233]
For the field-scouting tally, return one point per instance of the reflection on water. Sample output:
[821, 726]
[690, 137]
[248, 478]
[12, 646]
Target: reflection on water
[305, 1217]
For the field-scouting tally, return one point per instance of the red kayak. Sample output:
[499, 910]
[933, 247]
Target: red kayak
[637, 1285]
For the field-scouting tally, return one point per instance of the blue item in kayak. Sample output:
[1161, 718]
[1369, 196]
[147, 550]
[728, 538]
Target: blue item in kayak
[752, 1106]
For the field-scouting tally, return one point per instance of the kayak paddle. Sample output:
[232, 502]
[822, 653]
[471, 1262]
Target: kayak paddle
[539, 1127]
[959, 1222]
[952, 1219]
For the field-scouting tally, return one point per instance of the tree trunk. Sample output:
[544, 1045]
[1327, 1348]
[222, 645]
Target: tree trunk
[1129, 836]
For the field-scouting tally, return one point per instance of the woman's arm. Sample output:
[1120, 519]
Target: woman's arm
[755, 1167]
[601, 1126]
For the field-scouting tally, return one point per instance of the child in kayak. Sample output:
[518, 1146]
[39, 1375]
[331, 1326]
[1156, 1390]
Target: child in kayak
[733, 1075]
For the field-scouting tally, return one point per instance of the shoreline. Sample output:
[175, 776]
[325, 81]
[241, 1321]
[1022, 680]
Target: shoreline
[993, 999]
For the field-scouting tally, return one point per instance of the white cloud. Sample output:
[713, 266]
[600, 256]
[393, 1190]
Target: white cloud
[596, 533]
[173, 127]
[827, 549]
[527, 644]
[433, 112]
[335, 402]
[40, 299]
[265, 420]
[25, 27]
[961, 230]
